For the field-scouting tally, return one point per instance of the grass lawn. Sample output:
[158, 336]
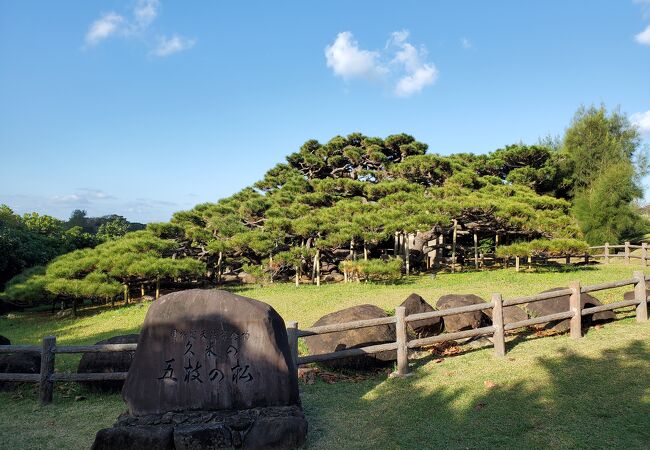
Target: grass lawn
[547, 392]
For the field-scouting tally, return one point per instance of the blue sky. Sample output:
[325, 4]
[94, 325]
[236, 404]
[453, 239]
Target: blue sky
[144, 107]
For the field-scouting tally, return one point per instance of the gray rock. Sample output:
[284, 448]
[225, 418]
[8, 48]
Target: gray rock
[108, 363]
[561, 304]
[415, 304]
[24, 362]
[4, 340]
[134, 438]
[210, 350]
[360, 337]
[464, 321]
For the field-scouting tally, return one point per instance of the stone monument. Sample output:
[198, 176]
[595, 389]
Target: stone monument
[212, 370]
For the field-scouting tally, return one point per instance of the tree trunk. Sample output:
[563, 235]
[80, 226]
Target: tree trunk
[453, 247]
[157, 288]
[219, 269]
[317, 263]
[74, 307]
[475, 250]
[517, 263]
[126, 294]
[297, 276]
[271, 265]
[365, 251]
[142, 290]
[407, 254]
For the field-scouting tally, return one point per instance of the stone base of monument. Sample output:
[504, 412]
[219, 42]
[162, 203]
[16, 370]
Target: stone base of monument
[279, 427]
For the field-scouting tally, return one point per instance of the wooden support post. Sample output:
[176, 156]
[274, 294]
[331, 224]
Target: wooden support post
[453, 247]
[497, 323]
[574, 304]
[292, 336]
[567, 259]
[475, 250]
[402, 342]
[627, 252]
[644, 255]
[641, 296]
[317, 259]
[157, 288]
[407, 254]
[517, 263]
[46, 387]
[297, 276]
[395, 245]
[606, 252]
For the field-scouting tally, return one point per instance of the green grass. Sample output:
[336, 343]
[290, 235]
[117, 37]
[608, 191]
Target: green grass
[550, 391]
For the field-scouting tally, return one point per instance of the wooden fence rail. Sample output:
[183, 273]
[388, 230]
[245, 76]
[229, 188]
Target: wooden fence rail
[497, 330]
[48, 350]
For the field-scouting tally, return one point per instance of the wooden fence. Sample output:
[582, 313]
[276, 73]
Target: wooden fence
[48, 350]
[626, 255]
[497, 330]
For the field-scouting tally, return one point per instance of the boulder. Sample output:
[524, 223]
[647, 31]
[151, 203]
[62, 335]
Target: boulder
[415, 304]
[246, 278]
[561, 304]
[510, 314]
[4, 340]
[361, 337]
[630, 295]
[464, 321]
[25, 362]
[214, 367]
[108, 363]
[135, 437]
[333, 277]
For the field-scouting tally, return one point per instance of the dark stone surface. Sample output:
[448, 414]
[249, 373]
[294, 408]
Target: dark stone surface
[108, 363]
[630, 295]
[561, 304]
[4, 340]
[210, 350]
[135, 438]
[415, 304]
[361, 337]
[26, 362]
[510, 314]
[280, 427]
[464, 321]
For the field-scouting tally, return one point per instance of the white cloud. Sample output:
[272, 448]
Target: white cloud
[145, 12]
[104, 27]
[174, 44]
[644, 36]
[418, 74]
[399, 63]
[642, 121]
[347, 60]
[466, 43]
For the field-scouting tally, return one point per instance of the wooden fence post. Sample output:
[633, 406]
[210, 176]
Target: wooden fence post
[574, 304]
[644, 248]
[627, 252]
[402, 342]
[567, 259]
[606, 252]
[46, 386]
[497, 323]
[475, 250]
[453, 247]
[640, 295]
[292, 336]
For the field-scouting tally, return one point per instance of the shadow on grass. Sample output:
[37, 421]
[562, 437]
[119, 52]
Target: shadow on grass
[573, 401]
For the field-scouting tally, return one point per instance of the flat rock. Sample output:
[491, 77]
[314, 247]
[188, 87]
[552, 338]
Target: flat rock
[108, 362]
[210, 350]
[361, 337]
[511, 314]
[24, 362]
[463, 321]
[561, 304]
[630, 295]
[135, 438]
[415, 304]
